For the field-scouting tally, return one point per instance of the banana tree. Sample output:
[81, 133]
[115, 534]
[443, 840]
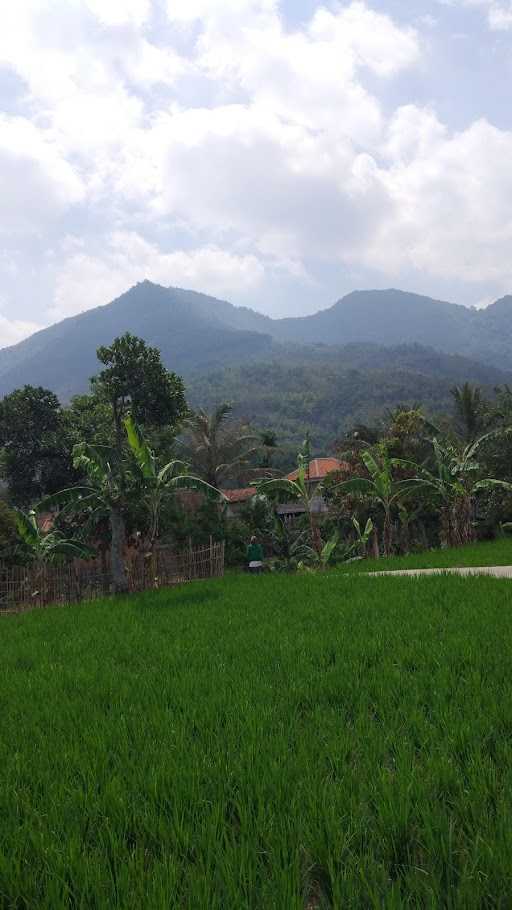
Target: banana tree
[156, 484]
[47, 546]
[298, 490]
[454, 481]
[100, 495]
[290, 549]
[380, 487]
[362, 536]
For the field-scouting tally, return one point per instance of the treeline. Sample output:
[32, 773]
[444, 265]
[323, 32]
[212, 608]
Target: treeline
[113, 465]
[325, 391]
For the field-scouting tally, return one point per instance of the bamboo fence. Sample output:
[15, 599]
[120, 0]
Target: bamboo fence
[38, 585]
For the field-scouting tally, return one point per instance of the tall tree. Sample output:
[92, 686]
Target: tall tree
[269, 447]
[134, 380]
[36, 452]
[469, 411]
[217, 449]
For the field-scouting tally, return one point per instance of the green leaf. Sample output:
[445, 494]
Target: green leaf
[140, 449]
[26, 528]
[370, 464]
[356, 485]
[282, 485]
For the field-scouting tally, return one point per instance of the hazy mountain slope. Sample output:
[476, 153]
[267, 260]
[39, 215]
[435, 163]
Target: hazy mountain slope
[383, 317]
[327, 390]
[190, 336]
[392, 317]
[199, 333]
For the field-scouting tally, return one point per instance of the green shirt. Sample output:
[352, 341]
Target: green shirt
[255, 553]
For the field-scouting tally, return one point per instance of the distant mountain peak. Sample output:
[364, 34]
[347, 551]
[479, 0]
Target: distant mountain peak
[196, 332]
[503, 305]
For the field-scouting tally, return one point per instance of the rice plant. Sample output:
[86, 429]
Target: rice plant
[272, 742]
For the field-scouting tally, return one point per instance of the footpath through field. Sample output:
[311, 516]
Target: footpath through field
[494, 571]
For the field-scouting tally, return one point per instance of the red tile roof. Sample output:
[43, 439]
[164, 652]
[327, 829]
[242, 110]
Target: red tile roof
[321, 467]
[240, 495]
[45, 521]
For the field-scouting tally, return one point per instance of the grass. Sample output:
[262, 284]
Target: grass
[488, 553]
[259, 743]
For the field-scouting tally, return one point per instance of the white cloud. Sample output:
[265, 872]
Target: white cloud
[37, 183]
[499, 14]
[264, 149]
[449, 211]
[500, 17]
[14, 330]
[215, 10]
[87, 280]
[120, 12]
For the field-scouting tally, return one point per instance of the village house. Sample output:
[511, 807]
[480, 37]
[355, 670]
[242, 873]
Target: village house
[318, 469]
[237, 499]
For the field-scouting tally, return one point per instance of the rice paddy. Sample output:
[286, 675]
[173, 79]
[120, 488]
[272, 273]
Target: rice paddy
[487, 553]
[271, 742]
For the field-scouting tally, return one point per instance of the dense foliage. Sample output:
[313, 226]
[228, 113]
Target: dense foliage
[107, 465]
[327, 392]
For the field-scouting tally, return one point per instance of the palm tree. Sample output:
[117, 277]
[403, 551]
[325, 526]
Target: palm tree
[469, 411]
[381, 487]
[269, 445]
[217, 450]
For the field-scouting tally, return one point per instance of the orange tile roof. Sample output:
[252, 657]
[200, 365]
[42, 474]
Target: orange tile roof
[45, 521]
[241, 495]
[321, 467]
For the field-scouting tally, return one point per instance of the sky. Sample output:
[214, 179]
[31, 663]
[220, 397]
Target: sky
[275, 153]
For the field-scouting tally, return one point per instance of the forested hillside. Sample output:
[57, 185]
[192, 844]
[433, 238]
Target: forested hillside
[325, 391]
[198, 334]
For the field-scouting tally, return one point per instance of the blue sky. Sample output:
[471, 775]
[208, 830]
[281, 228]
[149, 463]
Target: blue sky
[276, 154]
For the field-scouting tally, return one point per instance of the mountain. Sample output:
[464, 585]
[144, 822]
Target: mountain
[197, 333]
[392, 317]
[185, 326]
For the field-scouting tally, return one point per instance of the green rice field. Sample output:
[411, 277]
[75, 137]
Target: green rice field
[488, 553]
[272, 742]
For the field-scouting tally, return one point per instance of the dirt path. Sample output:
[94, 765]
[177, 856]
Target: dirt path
[494, 571]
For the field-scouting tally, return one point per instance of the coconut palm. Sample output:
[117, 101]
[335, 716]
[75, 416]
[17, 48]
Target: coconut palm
[216, 449]
[269, 446]
[469, 411]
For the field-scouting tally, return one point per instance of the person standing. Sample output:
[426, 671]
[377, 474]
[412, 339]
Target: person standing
[255, 556]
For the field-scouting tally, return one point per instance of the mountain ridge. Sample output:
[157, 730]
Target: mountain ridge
[199, 333]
